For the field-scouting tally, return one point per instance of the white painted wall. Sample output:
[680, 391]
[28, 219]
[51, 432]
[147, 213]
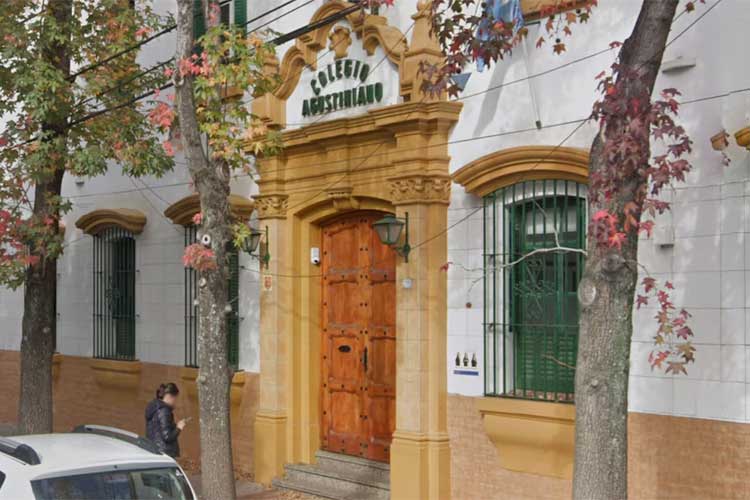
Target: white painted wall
[160, 321]
[708, 263]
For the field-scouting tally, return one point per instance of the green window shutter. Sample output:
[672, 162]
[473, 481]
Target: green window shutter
[240, 14]
[199, 22]
[233, 319]
[531, 308]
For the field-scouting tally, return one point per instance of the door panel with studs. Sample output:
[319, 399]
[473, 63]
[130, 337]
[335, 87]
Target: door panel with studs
[358, 339]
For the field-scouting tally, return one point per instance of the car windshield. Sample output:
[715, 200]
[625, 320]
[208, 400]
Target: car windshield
[147, 484]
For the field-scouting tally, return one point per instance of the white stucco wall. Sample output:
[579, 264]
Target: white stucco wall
[711, 218]
[708, 262]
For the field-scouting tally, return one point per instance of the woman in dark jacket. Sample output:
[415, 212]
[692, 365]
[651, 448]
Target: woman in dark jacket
[160, 426]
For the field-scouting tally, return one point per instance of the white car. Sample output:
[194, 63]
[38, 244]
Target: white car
[91, 463]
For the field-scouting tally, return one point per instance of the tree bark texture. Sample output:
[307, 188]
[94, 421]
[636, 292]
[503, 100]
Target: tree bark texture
[607, 290]
[211, 180]
[40, 286]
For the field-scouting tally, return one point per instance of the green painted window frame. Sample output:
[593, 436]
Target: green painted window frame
[191, 307]
[239, 16]
[114, 270]
[530, 300]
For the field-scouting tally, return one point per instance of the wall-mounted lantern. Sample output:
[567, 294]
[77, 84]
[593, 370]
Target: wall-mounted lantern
[252, 245]
[389, 230]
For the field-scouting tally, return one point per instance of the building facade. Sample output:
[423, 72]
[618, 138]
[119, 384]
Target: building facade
[438, 358]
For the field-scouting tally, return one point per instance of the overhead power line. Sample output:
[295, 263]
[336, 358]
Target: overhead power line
[447, 143]
[276, 41]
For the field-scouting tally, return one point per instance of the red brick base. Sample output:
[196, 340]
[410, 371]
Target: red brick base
[79, 399]
[670, 457]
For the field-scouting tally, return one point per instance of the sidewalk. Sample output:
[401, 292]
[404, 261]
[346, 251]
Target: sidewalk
[247, 490]
[7, 429]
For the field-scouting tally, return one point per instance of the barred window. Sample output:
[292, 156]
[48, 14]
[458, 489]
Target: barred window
[531, 306]
[114, 294]
[191, 305]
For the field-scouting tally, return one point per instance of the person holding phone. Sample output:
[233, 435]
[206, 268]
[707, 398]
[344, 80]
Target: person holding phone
[160, 424]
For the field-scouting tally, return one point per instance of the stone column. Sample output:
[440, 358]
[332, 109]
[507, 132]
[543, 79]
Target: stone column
[420, 452]
[271, 419]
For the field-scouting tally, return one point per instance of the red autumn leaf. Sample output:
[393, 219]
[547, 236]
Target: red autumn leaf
[616, 240]
[657, 360]
[600, 215]
[641, 300]
[676, 367]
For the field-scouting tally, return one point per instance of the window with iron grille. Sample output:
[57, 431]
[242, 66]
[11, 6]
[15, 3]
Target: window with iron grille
[191, 305]
[530, 292]
[114, 294]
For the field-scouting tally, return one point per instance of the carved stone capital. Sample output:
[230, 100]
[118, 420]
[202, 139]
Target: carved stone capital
[420, 189]
[271, 206]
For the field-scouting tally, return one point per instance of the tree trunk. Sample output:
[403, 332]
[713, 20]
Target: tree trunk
[38, 330]
[40, 286]
[214, 378]
[607, 291]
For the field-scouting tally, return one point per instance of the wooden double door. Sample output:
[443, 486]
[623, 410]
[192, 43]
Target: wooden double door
[358, 344]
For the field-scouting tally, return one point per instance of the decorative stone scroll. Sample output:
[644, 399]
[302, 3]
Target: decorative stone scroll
[271, 206]
[420, 189]
[342, 198]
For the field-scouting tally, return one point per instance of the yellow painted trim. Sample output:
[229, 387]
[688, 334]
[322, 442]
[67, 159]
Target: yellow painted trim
[188, 376]
[311, 181]
[237, 389]
[318, 175]
[181, 212]
[270, 446]
[97, 221]
[122, 375]
[420, 466]
[373, 30]
[509, 166]
[56, 362]
[531, 436]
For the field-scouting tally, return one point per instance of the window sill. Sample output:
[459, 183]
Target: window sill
[531, 436]
[114, 374]
[189, 378]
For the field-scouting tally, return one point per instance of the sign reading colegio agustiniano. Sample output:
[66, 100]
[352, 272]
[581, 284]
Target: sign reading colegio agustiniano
[361, 94]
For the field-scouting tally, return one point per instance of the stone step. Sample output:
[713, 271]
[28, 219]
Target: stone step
[354, 467]
[285, 484]
[338, 478]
